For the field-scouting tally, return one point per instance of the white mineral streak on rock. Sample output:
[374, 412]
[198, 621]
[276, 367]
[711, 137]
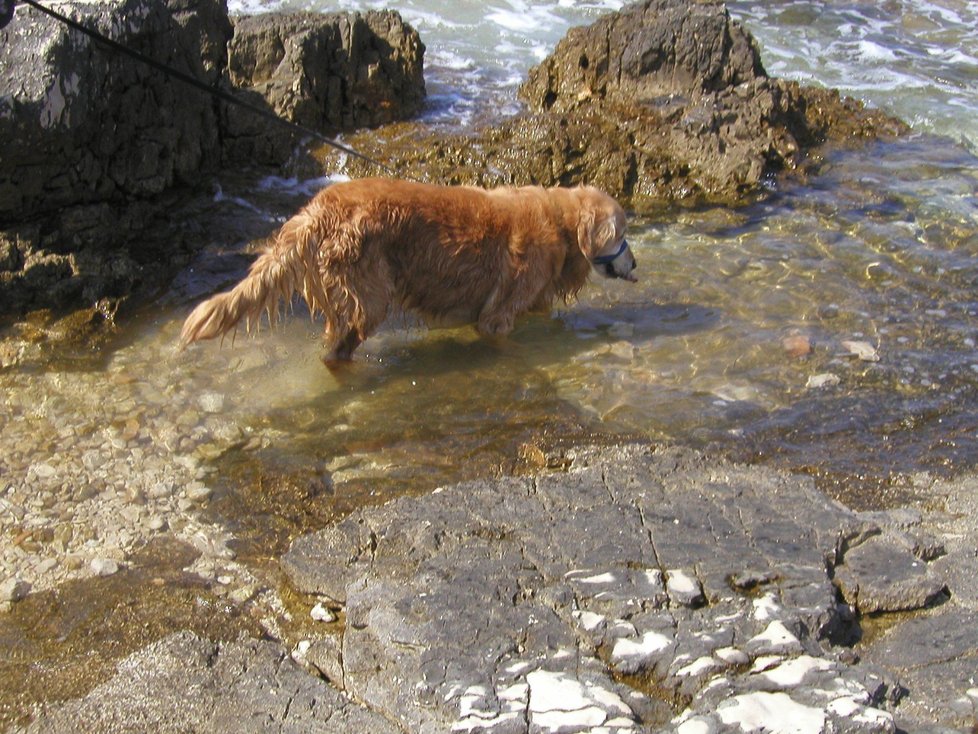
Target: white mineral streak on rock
[732, 656]
[766, 607]
[635, 652]
[559, 702]
[775, 638]
[791, 673]
[681, 582]
[589, 621]
[601, 578]
[696, 725]
[697, 667]
[772, 713]
[476, 709]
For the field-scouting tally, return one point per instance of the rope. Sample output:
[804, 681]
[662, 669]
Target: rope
[213, 91]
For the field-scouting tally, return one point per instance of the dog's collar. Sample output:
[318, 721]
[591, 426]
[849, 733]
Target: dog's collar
[605, 259]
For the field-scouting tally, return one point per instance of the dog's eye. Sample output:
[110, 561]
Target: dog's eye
[609, 270]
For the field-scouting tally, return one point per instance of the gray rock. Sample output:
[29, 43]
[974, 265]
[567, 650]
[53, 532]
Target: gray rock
[882, 575]
[189, 684]
[331, 71]
[519, 604]
[13, 590]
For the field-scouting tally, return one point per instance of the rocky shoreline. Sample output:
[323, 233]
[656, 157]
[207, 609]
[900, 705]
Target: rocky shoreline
[635, 590]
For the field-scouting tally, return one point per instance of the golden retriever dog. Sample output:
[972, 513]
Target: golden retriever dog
[363, 249]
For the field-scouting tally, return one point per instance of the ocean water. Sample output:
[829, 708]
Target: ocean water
[917, 59]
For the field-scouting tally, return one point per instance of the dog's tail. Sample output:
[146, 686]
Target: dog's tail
[287, 266]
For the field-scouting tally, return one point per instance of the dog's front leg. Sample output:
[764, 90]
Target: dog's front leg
[342, 353]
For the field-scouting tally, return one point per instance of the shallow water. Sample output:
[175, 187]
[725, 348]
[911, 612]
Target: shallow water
[738, 317]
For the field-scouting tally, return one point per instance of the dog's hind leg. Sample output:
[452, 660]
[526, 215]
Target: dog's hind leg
[362, 313]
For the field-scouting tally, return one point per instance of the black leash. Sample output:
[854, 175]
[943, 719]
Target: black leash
[8, 6]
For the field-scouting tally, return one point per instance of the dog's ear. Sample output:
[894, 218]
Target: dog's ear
[594, 235]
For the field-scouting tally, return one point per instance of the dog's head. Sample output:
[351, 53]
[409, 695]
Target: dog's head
[601, 235]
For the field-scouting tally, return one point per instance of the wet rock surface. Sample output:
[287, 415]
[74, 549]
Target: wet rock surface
[642, 590]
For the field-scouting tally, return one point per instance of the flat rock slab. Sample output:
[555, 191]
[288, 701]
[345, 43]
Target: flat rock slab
[638, 591]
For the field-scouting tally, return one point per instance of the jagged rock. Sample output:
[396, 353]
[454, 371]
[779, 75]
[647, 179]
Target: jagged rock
[82, 124]
[98, 147]
[331, 72]
[882, 575]
[647, 53]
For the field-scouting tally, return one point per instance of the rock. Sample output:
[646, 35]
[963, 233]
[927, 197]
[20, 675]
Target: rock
[646, 53]
[935, 658]
[247, 685]
[104, 566]
[87, 129]
[882, 575]
[331, 71]
[684, 588]
[662, 101]
[211, 402]
[99, 147]
[481, 605]
[825, 379]
[59, 89]
[13, 590]
[796, 346]
[862, 350]
[320, 613]
[326, 654]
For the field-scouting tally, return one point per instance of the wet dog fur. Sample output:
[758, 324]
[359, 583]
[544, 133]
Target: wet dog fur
[363, 249]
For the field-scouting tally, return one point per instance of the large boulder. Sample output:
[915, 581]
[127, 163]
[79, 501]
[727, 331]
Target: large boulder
[92, 138]
[331, 72]
[83, 124]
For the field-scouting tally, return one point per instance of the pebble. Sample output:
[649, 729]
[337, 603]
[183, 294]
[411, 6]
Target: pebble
[13, 590]
[796, 346]
[826, 379]
[198, 492]
[104, 566]
[211, 402]
[320, 613]
[862, 350]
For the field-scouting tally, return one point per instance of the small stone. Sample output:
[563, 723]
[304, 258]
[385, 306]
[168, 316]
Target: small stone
[797, 346]
[826, 379]
[198, 492]
[211, 402]
[104, 566]
[13, 590]
[862, 350]
[321, 614]
[156, 523]
[684, 588]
